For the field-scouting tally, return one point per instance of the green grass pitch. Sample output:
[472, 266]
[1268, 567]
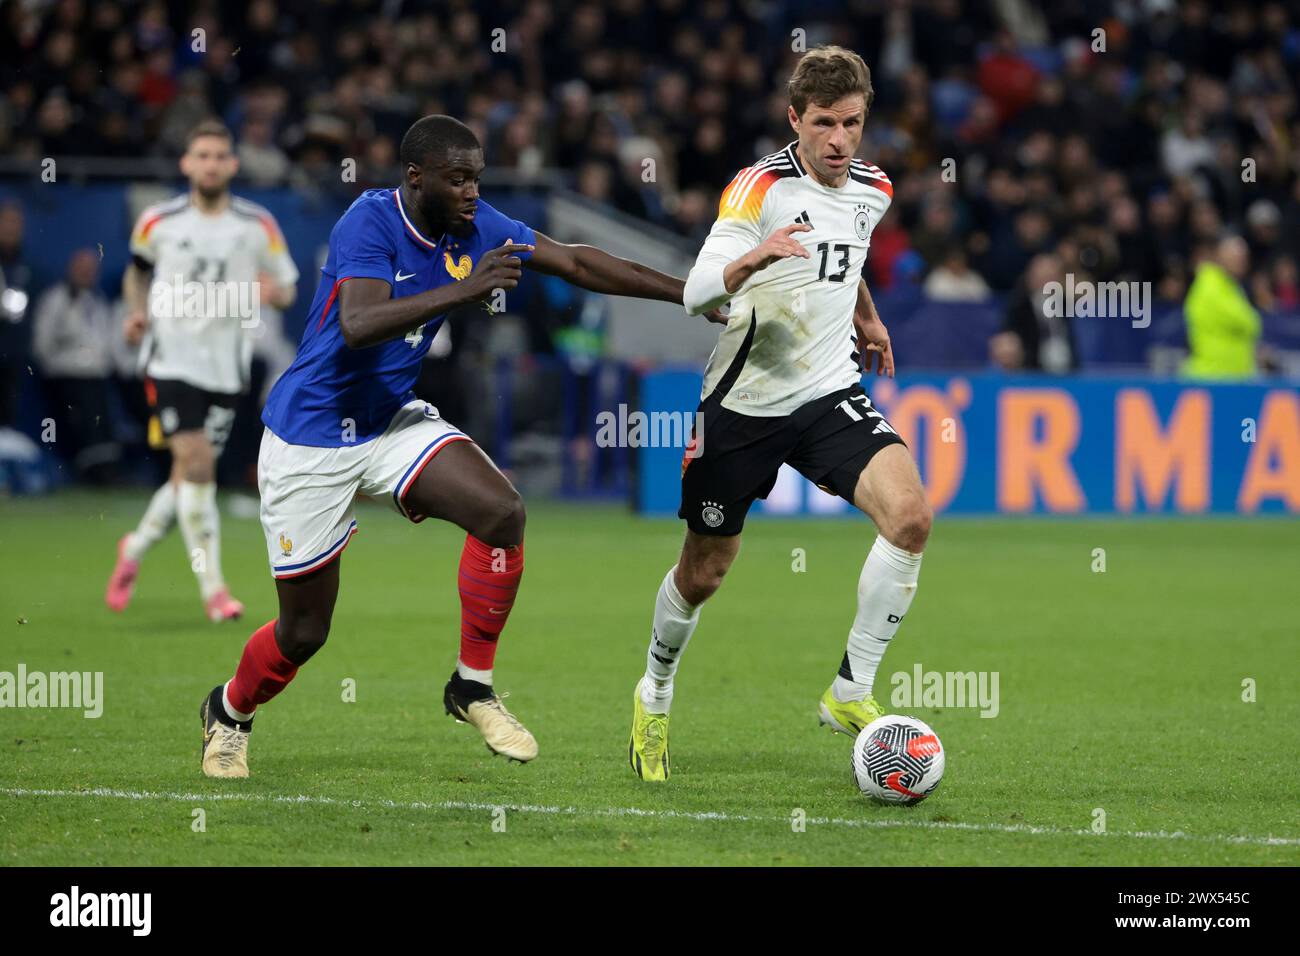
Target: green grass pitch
[1119, 691]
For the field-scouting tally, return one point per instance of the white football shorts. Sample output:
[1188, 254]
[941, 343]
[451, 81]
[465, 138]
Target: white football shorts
[307, 492]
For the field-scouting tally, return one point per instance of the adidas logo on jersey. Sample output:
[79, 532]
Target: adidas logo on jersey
[803, 219]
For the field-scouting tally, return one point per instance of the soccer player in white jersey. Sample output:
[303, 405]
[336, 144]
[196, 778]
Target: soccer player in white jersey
[784, 386]
[202, 266]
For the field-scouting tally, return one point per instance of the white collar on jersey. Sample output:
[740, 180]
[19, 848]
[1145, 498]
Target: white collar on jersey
[418, 236]
[792, 150]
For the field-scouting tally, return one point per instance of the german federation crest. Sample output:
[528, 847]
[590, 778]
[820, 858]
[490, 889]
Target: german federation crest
[862, 223]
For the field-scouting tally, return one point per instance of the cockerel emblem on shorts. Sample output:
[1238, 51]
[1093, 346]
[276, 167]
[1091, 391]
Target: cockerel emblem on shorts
[286, 545]
[458, 270]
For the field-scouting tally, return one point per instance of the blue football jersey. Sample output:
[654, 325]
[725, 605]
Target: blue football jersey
[333, 395]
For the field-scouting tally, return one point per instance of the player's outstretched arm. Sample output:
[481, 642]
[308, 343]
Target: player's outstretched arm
[597, 271]
[369, 315]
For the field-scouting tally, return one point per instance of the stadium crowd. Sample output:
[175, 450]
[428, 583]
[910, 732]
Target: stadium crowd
[1110, 139]
[1113, 134]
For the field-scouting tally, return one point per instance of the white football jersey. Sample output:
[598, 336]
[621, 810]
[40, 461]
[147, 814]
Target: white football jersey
[203, 304]
[790, 337]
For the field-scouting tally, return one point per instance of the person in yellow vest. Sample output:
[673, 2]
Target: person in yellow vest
[1222, 325]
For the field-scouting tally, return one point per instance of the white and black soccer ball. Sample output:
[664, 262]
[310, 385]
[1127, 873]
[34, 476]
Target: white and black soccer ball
[897, 759]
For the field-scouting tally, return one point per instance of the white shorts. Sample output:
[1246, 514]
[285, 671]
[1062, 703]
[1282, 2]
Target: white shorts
[307, 492]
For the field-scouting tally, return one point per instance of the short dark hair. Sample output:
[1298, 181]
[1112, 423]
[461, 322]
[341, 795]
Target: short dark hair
[827, 74]
[209, 127]
[433, 137]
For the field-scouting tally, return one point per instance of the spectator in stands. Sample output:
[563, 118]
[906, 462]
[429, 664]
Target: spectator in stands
[1185, 147]
[953, 280]
[936, 231]
[1007, 78]
[74, 345]
[1007, 257]
[694, 215]
[261, 161]
[1285, 284]
[1222, 326]
[1263, 230]
[1034, 336]
[595, 182]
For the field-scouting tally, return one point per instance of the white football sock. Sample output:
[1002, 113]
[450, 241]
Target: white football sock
[674, 623]
[235, 714]
[157, 521]
[196, 510]
[469, 673]
[885, 591]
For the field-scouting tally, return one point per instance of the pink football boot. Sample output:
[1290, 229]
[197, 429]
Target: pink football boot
[122, 581]
[222, 607]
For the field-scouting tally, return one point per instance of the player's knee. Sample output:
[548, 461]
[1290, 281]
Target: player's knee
[504, 525]
[911, 526]
[200, 473]
[700, 580]
[300, 638]
[196, 464]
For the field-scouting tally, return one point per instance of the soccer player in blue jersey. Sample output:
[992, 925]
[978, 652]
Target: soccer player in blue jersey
[343, 421]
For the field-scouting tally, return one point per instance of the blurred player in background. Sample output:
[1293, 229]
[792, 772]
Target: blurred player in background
[198, 263]
[343, 421]
[784, 386]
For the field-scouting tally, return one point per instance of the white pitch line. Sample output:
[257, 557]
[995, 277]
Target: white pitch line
[693, 815]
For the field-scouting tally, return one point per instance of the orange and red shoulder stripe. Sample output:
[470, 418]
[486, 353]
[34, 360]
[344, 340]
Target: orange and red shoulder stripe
[273, 234]
[744, 197]
[146, 225]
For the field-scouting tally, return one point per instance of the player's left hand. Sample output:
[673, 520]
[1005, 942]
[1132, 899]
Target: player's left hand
[717, 316]
[873, 340]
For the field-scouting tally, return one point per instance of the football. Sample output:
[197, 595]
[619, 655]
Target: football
[897, 759]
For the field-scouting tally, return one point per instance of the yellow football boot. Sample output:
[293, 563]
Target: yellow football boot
[647, 750]
[848, 717]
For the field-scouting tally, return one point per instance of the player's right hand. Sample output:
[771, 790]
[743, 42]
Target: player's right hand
[499, 268]
[781, 245]
[134, 328]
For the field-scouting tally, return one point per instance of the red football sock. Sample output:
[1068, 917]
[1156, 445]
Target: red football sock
[489, 581]
[262, 673]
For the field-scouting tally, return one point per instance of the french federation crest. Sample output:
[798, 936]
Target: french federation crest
[460, 269]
